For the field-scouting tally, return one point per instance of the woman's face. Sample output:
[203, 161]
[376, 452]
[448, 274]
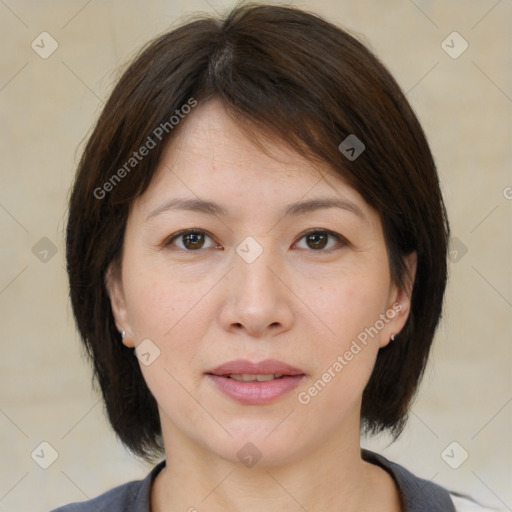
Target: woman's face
[257, 279]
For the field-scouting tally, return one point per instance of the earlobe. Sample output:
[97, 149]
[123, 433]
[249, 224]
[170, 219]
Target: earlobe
[401, 302]
[404, 294]
[115, 293]
[411, 261]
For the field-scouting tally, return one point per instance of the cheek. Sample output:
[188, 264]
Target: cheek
[170, 312]
[346, 353]
[157, 300]
[165, 312]
[344, 362]
[151, 307]
[349, 304]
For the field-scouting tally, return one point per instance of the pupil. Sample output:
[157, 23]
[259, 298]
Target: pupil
[193, 239]
[318, 237]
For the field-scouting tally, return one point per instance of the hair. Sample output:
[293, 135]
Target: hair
[283, 72]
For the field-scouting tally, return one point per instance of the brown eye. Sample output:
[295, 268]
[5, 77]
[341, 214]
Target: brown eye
[191, 240]
[319, 239]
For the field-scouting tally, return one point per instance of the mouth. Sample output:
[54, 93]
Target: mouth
[246, 371]
[248, 377]
[255, 383]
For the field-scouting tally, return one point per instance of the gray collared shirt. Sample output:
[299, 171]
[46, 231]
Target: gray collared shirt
[417, 495]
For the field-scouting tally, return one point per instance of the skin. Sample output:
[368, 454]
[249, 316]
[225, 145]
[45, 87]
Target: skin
[203, 305]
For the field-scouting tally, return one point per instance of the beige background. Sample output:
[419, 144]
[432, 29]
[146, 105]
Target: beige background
[49, 105]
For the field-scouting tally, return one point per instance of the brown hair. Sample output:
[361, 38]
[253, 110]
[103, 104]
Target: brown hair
[292, 74]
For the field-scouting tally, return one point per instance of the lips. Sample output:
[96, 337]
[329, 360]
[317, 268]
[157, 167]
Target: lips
[255, 383]
[242, 367]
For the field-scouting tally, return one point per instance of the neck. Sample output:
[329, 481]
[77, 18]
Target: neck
[334, 474]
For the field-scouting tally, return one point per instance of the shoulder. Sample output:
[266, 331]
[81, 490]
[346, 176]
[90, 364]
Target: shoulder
[133, 496]
[420, 495]
[117, 499]
[417, 494]
[464, 504]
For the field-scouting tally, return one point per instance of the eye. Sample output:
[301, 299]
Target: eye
[193, 239]
[317, 239]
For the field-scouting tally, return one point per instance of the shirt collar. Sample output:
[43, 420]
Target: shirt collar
[413, 490]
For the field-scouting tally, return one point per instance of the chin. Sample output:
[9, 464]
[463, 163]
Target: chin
[253, 448]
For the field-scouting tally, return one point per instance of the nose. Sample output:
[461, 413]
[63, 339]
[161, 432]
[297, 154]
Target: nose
[257, 299]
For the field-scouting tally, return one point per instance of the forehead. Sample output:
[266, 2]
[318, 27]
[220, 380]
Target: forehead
[210, 136]
[211, 157]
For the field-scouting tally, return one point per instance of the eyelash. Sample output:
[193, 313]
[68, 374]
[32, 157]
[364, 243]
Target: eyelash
[169, 241]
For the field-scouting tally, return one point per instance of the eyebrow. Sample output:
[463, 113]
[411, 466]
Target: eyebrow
[298, 208]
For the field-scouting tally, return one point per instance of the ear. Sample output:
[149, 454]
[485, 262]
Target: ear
[114, 287]
[399, 305]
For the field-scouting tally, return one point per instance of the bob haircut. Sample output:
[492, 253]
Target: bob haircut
[279, 72]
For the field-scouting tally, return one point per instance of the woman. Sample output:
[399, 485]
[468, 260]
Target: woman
[256, 250]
